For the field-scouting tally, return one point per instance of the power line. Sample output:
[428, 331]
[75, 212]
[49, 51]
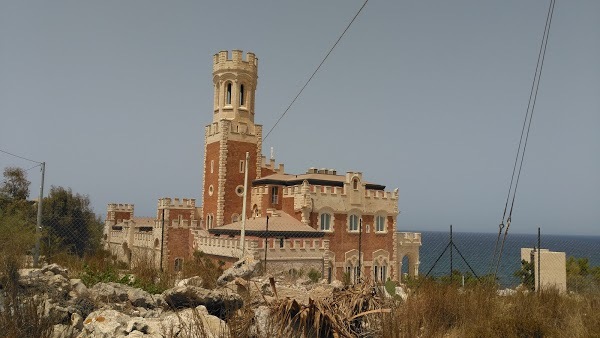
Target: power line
[21, 157]
[316, 70]
[35, 166]
[523, 142]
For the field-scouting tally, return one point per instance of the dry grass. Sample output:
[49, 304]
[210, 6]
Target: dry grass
[437, 310]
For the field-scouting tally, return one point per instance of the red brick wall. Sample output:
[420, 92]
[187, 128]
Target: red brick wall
[287, 204]
[341, 241]
[121, 215]
[209, 205]
[236, 152]
[179, 243]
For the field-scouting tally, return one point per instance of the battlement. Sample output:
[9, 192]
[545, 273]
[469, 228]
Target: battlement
[176, 203]
[222, 61]
[120, 207]
[271, 165]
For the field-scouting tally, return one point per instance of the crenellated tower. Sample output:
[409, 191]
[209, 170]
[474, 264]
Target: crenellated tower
[231, 134]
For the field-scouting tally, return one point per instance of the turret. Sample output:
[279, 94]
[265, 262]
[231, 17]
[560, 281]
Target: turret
[234, 81]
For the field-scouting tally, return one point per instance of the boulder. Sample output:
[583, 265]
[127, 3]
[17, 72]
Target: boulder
[244, 268]
[217, 302]
[105, 324]
[55, 269]
[260, 324]
[195, 322]
[337, 285]
[193, 281]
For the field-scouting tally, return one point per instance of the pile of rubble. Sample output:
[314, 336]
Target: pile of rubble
[186, 310]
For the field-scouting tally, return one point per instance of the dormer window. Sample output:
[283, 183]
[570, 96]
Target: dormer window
[228, 93]
[241, 95]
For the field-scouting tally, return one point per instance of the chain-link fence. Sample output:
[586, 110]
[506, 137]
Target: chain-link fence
[565, 262]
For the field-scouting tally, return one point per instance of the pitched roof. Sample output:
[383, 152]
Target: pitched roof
[280, 224]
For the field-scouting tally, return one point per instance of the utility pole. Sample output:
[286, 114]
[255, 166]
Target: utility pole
[266, 242]
[359, 249]
[539, 262]
[38, 228]
[243, 230]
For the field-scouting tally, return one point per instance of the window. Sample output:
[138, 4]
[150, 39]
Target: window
[355, 184]
[242, 166]
[380, 223]
[228, 93]
[210, 190]
[376, 273]
[241, 95]
[325, 222]
[274, 195]
[235, 218]
[353, 221]
[209, 221]
[178, 264]
[212, 166]
[383, 273]
[239, 190]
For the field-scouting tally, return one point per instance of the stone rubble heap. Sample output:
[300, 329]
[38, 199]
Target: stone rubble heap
[186, 310]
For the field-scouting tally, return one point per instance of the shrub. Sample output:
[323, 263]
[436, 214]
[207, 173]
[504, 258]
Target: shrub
[314, 275]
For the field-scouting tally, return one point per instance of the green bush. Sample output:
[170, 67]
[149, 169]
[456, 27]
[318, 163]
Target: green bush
[314, 275]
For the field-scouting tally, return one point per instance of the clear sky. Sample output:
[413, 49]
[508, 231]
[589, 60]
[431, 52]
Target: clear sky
[424, 96]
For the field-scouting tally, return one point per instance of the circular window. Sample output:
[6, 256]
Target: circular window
[210, 190]
[239, 190]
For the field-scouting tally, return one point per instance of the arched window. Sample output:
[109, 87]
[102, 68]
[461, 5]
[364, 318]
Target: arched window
[325, 222]
[178, 264]
[241, 95]
[355, 184]
[228, 93]
[353, 221]
[235, 218]
[380, 223]
[209, 221]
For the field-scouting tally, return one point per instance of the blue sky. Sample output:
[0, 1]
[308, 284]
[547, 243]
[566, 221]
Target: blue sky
[424, 96]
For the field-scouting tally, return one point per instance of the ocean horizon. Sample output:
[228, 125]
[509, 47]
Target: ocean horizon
[477, 249]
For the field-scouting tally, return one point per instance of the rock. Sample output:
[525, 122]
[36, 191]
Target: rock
[78, 287]
[337, 285]
[76, 321]
[261, 321]
[105, 324]
[193, 281]
[55, 269]
[217, 302]
[244, 268]
[104, 292]
[195, 322]
[140, 298]
[30, 273]
[135, 324]
[83, 305]
[303, 281]
[64, 331]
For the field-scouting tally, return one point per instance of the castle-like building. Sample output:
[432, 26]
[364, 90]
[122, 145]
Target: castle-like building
[335, 223]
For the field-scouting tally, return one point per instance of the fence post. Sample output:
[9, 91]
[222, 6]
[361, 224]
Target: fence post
[38, 227]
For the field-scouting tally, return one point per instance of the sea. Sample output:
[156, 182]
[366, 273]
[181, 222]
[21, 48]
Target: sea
[477, 250]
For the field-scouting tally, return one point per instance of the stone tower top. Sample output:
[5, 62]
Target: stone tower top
[234, 79]
[222, 62]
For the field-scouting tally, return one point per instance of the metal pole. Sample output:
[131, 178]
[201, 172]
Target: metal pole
[38, 228]
[162, 239]
[243, 230]
[359, 249]
[539, 262]
[266, 242]
[451, 245]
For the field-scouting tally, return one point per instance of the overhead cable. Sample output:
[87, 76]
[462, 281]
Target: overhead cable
[316, 70]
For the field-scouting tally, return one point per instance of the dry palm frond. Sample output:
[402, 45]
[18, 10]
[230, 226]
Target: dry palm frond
[350, 313]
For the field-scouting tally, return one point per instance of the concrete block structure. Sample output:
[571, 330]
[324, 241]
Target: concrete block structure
[551, 266]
